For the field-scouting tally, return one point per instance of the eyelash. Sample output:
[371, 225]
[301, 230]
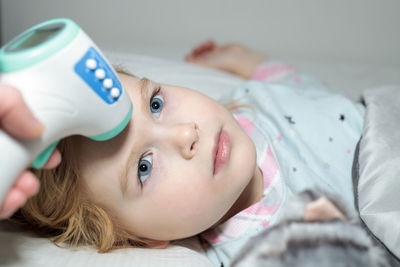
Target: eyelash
[156, 92]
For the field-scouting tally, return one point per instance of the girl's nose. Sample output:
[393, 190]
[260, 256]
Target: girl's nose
[184, 137]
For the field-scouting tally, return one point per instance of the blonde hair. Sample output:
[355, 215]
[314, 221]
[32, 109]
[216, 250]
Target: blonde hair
[60, 211]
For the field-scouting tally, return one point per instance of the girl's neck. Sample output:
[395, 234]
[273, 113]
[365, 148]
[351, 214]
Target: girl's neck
[250, 195]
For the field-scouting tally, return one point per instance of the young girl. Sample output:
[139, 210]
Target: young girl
[186, 165]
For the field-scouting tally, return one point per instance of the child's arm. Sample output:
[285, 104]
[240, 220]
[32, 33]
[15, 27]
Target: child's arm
[17, 120]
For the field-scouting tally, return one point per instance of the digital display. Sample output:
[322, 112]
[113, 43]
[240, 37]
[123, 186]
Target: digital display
[34, 38]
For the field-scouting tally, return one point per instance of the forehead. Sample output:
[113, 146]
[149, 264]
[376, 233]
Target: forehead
[133, 85]
[129, 81]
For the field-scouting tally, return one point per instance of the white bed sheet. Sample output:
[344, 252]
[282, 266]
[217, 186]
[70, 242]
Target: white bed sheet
[22, 249]
[347, 78]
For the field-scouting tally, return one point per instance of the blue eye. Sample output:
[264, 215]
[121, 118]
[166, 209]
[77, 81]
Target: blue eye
[156, 104]
[144, 168]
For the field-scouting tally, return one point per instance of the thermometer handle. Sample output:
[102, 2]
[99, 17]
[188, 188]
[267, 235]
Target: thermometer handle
[14, 158]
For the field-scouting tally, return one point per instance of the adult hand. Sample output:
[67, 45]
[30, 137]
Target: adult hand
[233, 58]
[17, 120]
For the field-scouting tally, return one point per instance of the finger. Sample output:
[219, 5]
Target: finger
[188, 57]
[27, 183]
[13, 200]
[53, 161]
[205, 47]
[15, 116]
[322, 210]
[200, 49]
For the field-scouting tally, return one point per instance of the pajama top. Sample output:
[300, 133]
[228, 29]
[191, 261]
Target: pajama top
[305, 137]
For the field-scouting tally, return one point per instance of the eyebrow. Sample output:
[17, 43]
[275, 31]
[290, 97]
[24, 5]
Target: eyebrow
[124, 175]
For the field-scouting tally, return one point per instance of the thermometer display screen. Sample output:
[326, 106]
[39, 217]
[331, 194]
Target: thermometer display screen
[34, 38]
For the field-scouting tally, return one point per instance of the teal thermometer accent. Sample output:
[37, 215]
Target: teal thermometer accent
[69, 86]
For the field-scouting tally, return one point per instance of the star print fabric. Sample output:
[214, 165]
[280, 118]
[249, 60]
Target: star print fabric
[305, 137]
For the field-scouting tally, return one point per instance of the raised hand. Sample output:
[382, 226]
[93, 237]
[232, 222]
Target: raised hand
[233, 58]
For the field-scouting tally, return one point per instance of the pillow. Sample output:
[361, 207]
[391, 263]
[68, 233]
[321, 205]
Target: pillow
[19, 248]
[379, 166]
[213, 83]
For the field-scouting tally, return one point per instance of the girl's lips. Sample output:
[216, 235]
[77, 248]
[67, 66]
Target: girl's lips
[221, 150]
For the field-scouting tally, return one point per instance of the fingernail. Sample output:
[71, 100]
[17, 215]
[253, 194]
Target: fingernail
[38, 128]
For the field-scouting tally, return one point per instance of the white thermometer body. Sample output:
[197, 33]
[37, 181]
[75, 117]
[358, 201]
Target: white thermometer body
[68, 85]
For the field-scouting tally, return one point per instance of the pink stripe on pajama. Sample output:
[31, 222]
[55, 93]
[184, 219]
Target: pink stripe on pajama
[269, 168]
[271, 71]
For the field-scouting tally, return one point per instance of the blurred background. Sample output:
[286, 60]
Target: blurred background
[339, 33]
[366, 31]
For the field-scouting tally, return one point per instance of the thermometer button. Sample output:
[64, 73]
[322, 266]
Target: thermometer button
[115, 92]
[108, 83]
[91, 64]
[100, 74]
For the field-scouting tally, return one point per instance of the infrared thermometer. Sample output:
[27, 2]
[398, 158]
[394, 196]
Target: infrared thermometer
[68, 85]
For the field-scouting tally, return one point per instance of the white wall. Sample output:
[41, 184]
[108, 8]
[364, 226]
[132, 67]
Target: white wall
[365, 31]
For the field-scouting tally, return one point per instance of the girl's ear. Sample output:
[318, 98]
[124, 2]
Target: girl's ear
[158, 244]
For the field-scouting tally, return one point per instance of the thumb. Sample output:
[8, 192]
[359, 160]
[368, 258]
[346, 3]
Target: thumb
[15, 116]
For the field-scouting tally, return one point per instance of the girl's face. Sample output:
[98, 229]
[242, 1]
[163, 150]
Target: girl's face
[158, 178]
